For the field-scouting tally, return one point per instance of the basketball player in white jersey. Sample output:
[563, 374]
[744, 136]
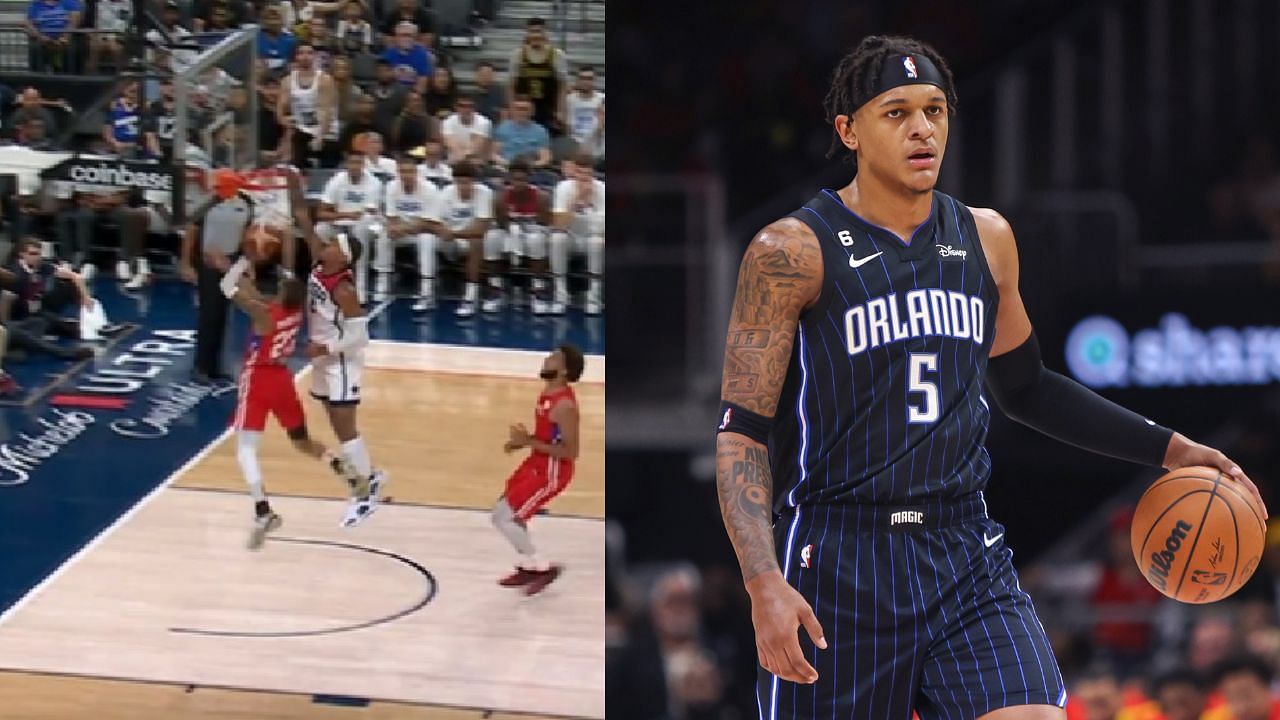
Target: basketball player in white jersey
[381, 166]
[353, 199]
[338, 331]
[308, 107]
[466, 209]
[577, 220]
[413, 216]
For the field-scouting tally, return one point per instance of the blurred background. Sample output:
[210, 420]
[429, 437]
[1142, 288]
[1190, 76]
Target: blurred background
[1133, 147]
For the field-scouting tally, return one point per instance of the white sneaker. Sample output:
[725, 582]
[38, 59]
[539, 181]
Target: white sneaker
[492, 305]
[123, 271]
[425, 303]
[540, 307]
[381, 287]
[466, 308]
[360, 508]
[138, 282]
[88, 271]
[555, 308]
[261, 526]
[593, 307]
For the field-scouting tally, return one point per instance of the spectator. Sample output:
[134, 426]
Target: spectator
[178, 60]
[271, 133]
[540, 72]
[414, 13]
[521, 137]
[236, 13]
[466, 209]
[36, 136]
[1213, 638]
[409, 59]
[413, 127]
[47, 24]
[122, 132]
[1095, 695]
[308, 106]
[466, 133]
[583, 107]
[344, 88]
[491, 97]
[696, 686]
[355, 34]
[298, 14]
[578, 226]
[159, 125]
[1123, 591]
[32, 105]
[1245, 683]
[111, 19]
[362, 121]
[433, 168]
[220, 20]
[322, 41]
[388, 93]
[44, 290]
[441, 94]
[1181, 694]
[274, 42]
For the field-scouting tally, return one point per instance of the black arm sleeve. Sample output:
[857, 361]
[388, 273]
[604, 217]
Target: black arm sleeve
[1061, 408]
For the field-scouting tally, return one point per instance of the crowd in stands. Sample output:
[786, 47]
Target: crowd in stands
[337, 80]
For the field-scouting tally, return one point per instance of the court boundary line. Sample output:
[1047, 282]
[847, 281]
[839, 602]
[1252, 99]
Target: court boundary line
[395, 502]
[453, 360]
[289, 693]
[127, 515]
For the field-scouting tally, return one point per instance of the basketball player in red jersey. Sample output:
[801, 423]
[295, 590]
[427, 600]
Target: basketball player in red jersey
[266, 385]
[523, 211]
[546, 472]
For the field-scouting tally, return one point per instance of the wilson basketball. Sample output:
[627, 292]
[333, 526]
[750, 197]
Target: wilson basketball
[1197, 537]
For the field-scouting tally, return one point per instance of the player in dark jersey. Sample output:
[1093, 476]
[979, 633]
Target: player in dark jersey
[850, 459]
[266, 385]
[547, 470]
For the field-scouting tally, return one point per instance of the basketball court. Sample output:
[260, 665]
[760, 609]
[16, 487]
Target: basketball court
[166, 614]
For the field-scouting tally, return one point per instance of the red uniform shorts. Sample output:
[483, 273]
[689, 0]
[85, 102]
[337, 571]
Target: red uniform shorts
[267, 389]
[538, 479]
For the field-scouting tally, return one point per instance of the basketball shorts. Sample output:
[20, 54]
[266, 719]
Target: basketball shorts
[921, 610]
[335, 379]
[535, 483]
[267, 390]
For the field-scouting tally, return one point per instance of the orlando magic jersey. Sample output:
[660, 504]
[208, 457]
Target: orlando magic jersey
[883, 400]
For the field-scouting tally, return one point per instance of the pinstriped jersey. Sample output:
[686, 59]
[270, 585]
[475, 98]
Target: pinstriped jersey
[883, 402]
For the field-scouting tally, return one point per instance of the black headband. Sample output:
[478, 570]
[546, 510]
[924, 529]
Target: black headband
[899, 70]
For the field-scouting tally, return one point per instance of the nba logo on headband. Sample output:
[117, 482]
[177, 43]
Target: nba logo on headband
[910, 65]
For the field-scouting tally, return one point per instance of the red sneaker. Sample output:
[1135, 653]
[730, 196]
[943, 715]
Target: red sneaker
[518, 578]
[542, 579]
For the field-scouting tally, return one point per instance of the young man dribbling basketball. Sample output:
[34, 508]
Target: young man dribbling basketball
[850, 458]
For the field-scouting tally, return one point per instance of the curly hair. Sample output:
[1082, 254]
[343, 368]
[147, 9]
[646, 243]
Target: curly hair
[854, 80]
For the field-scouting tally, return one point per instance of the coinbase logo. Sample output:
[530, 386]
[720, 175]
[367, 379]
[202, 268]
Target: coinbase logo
[1098, 352]
[1175, 353]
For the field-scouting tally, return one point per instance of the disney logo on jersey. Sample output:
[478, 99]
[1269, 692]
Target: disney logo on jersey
[919, 313]
[947, 251]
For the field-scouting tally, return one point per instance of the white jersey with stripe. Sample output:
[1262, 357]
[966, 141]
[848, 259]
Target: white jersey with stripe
[324, 317]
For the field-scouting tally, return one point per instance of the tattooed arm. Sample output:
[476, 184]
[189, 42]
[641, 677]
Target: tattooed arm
[780, 275]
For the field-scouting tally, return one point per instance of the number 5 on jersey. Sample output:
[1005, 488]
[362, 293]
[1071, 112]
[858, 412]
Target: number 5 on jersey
[927, 412]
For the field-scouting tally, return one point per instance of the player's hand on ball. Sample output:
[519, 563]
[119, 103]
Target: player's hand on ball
[315, 350]
[1184, 452]
[777, 612]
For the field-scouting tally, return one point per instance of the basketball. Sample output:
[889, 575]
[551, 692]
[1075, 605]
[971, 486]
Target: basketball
[1196, 536]
[260, 245]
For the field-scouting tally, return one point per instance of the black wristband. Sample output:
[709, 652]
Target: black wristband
[1066, 410]
[737, 419]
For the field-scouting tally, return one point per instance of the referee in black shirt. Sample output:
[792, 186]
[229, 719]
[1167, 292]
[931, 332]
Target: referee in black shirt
[207, 249]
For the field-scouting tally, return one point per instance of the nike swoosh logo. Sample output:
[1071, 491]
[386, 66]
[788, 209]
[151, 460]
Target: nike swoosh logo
[991, 541]
[859, 262]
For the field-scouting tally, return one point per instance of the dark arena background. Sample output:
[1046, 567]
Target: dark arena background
[1133, 147]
